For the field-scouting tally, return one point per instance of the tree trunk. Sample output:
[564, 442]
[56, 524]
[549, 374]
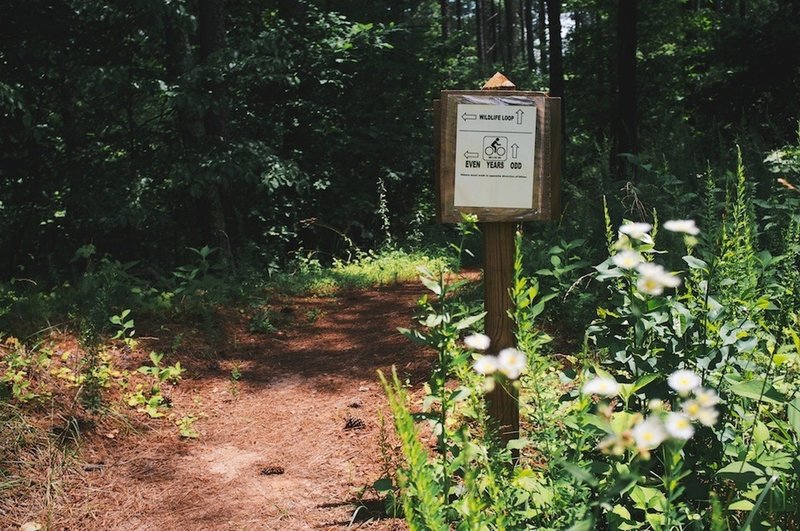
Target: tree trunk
[625, 130]
[529, 37]
[522, 33]
[458, 15]
[556, 60]
[178, 62]
[211, 30]
[509, 32]
[557, 68]
[212, 39]
[541, 29]
[480, 44]
[445, 19]
[494, 21]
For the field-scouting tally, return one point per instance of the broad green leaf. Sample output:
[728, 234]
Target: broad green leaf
[695, 263]
[537, 309]
[383, 485]
[777, 460]
[621, 511]
[753, 389]
[760, 433]
[656, 520]
[741, 505]
[457, 395]
[747, 345]
[517, 444]
[433, 320]
[628, 390]
[431, 284]
[793, 413]
[469, 321]
[598, 422]
[741, 473]
[647, 498]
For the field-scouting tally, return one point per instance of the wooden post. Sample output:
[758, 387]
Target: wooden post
[470, 179]
[498, 279]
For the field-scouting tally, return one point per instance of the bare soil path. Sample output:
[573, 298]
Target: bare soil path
[290, 445]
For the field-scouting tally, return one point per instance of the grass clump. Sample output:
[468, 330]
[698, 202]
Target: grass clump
[307, 275]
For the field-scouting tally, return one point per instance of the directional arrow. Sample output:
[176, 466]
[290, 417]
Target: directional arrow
[520, 113]
[466, 117]
[471, 154]
[514, 149]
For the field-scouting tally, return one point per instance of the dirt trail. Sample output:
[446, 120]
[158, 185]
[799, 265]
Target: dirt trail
[287, 413]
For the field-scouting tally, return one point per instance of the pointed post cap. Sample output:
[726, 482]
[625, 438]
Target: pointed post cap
[499, 82]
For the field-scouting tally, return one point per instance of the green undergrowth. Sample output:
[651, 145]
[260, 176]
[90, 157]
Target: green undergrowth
[307, 275]
[680, 409]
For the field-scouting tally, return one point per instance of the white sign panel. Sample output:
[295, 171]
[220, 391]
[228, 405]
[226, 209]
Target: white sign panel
[494, 156]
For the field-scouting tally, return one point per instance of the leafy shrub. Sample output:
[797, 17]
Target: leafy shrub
[681, 412]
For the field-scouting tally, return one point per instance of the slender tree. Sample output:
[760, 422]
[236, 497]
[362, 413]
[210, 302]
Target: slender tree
[211, 30]
[508, 11]
[522, 33]
[541, 30]
[556, 58]
[178, 63]
[480, 41]
[444, 15]
[556, 70]
[529, 36]
[494, 24]
[625, 123]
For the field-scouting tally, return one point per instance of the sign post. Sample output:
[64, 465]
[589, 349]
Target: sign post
[499, 157]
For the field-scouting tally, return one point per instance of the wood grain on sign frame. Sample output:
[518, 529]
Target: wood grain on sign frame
[547, 158]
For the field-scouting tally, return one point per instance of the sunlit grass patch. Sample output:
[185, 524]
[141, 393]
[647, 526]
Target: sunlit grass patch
[386, 268]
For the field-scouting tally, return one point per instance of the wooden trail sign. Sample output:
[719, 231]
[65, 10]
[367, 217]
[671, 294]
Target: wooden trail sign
[498, 156]
[498, 153]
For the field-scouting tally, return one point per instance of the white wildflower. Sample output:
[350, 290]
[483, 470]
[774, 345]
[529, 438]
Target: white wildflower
[635, 230]
[679, 426]
[706, 397]
[613, 445]
[649, 433]
[511, 362]
[477, 341]
[686, 226]
[627, 259]
[691, 408]
[683, 381]
[602, 386]
[707, 416]
[656, 404]
[485, 365]
[653, 279]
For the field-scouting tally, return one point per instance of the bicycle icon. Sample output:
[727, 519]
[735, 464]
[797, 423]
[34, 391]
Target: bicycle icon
[495, 147]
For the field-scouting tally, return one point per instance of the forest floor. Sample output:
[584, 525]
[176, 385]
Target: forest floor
[290, 435]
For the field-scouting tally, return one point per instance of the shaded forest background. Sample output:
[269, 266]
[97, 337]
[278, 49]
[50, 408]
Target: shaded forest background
[136, 131]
